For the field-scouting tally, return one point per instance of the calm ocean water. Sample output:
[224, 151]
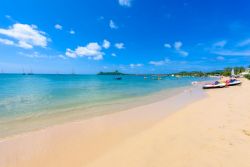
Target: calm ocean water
[30, 96]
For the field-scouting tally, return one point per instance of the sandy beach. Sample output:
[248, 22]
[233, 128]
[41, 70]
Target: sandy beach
[209, 132]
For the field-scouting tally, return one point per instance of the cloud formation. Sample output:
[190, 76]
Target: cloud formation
[6, 42]
[91, 51]
[120, 46]
[178, 45]
[58, 27]
[112, 25]
[236, 50]
[166, 45]
[126, 3]
[220, 44]
[159, 63]
[220, 58]
[178, 48]
[34, 55]
[72, 32]
[106, 44]
[232, 53]
[135, 65]
[244, 43]
[24, 36]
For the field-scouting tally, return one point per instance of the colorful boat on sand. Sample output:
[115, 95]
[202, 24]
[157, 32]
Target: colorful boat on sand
[233, 82]
[216, 84]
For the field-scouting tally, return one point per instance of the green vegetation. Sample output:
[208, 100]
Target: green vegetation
[247, 76]
[224, 72]
[237, 70]
[111, 73]
[192, 73]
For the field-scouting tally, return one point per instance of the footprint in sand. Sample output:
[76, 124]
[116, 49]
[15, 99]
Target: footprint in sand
[246, 132]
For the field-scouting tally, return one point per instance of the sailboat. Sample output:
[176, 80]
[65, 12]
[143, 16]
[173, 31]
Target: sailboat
[73, 72]
[23, 72]
[232, 73]
[31, 73]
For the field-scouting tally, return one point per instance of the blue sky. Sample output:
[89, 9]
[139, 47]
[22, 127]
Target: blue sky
[132, 36]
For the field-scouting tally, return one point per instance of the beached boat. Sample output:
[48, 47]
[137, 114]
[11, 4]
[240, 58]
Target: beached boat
[216, 84]
[233, 82]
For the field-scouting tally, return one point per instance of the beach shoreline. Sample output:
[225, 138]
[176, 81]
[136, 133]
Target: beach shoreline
[22, 125]
[160, 139]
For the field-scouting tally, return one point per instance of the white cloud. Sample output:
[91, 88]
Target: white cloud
[58, 27]
[178, 48]
[178, 45]
[244, 43]
[6, 42]
[10, 18]
[24, 45]
[27, 36]
[119, 45]
[135, 65]
[126, 3]
[72, 32]
[106, 44]
[220, 58]
[62, 57]
[232, 53]
[159, 63]
[70, 53]
[100, 18]
[166, 45]
[113, 54]
[220, 44]
[235, 51]
[33, 55]
[91, 50]
[112, 25]
[183, 53]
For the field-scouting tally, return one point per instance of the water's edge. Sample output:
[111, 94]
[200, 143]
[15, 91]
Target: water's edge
[178, 98]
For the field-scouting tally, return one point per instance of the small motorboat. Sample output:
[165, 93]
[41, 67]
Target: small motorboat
[233, 82]
[216, 84]
[118, 78]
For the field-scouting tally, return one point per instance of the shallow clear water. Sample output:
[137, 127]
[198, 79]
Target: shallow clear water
[26, 94]
[30, 96]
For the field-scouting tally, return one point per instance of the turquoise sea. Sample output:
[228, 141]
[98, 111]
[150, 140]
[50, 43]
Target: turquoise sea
[26, 98]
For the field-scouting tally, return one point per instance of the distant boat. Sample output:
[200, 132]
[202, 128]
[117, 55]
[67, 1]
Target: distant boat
[23, 73]
[118, 78]
[73, 72]
[157, 78]
[30, 73]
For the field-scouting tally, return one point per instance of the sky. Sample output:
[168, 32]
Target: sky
[132, 36]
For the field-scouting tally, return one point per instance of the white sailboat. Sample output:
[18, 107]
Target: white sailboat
[232, 72]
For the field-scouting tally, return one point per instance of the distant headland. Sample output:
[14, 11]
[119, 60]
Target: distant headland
[111, 73]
